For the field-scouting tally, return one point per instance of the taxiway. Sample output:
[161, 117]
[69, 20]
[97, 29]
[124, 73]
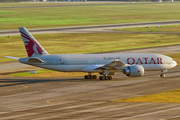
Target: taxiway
[76, 98]
[96, 28]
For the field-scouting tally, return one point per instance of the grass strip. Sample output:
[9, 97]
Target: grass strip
[86, 15]
[48, 73]
[79, 43]
[164, 97]
[176, 57]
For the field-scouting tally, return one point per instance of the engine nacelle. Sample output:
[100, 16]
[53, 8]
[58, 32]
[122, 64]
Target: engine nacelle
[134, 71]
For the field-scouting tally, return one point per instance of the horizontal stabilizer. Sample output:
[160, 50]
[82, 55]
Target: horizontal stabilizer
[35, 60]
[12, 57]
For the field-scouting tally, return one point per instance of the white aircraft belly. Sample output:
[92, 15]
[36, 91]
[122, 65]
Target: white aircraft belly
[65, 68]
[80, 68]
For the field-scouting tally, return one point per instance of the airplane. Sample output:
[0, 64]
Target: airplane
[131, 64]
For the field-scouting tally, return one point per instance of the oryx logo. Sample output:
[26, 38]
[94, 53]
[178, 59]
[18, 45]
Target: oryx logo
[31, 46]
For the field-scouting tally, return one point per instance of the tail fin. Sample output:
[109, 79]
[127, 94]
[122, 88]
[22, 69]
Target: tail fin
[32, 46]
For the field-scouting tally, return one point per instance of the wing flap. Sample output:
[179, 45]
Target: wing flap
[112, 65]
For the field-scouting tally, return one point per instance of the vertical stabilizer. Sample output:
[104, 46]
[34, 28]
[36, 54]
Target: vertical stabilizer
[32, 46]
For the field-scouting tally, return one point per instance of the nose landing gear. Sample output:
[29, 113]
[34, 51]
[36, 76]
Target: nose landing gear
[162, 75]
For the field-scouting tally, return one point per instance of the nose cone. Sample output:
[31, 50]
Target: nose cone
[174, 63]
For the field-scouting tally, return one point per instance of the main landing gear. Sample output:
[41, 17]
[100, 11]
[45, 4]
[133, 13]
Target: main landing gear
[162, 75]
[89, 76]
[105, 77]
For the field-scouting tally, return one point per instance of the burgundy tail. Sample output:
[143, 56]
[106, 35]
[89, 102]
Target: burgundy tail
[32, 46]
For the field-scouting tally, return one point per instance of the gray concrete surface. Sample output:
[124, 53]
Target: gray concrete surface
[15, 67]
[79, 99]
[78, 4]
[95, 28]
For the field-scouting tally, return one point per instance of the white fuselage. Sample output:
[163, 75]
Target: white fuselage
[78, 62]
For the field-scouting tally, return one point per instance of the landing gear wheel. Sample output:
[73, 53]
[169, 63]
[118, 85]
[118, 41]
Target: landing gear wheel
[86, 77]
[90, 77]
[109, 78]
[162, 75]
[105, 78]
[94, 77]
[101, 77]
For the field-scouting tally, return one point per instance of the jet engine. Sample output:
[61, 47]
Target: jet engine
[134, 71]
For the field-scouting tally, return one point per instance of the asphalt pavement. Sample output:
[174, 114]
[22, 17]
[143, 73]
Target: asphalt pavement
[95, 28]
[24, 98]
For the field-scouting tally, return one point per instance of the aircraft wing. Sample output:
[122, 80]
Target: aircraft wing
[112, 65]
